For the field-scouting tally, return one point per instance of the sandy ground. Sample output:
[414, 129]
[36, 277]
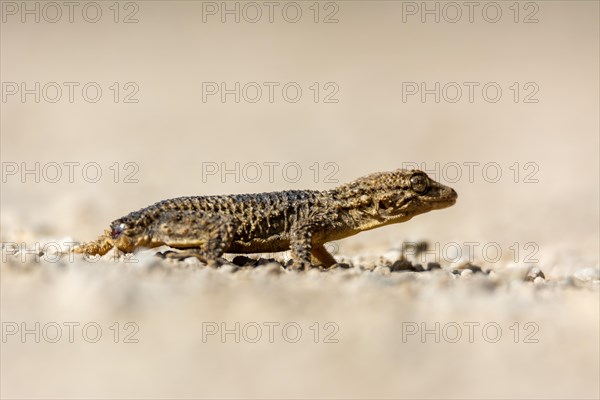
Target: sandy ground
[525, 165]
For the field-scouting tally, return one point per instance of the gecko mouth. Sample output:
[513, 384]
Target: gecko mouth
[441, 195]
[451, 196]
[446, 200]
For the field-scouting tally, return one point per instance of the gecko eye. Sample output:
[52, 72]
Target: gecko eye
[116, 231]
[419, 183]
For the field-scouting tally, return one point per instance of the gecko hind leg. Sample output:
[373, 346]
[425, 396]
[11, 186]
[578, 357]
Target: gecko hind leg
[204, 236]
[301, 247]
[320, 255]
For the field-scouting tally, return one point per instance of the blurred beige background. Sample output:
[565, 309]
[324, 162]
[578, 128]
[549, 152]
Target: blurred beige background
[368, 57]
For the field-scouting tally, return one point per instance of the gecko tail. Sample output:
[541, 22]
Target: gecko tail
[99, 247]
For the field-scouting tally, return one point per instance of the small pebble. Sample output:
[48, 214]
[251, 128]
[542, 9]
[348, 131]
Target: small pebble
[465, 273]
[265, 261]
[341, 265]
[402, 265]
[533, 273]
[468, 266]
[433, 265]
[243, 261]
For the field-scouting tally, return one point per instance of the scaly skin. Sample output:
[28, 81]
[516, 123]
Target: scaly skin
[299, 220]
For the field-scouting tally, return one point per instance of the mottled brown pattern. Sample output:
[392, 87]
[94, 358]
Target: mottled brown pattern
[298, 220]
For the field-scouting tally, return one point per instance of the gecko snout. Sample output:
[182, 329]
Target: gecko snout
[453, 195]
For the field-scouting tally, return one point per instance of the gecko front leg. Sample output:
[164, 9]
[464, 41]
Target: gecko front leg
[305, 252]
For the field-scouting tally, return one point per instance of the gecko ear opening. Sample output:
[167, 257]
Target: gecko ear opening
[384, 204]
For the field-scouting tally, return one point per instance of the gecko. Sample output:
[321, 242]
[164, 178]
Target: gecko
[302, 221]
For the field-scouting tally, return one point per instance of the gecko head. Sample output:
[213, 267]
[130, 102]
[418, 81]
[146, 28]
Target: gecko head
[427, 194]
[128, 232]
[399, 195]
